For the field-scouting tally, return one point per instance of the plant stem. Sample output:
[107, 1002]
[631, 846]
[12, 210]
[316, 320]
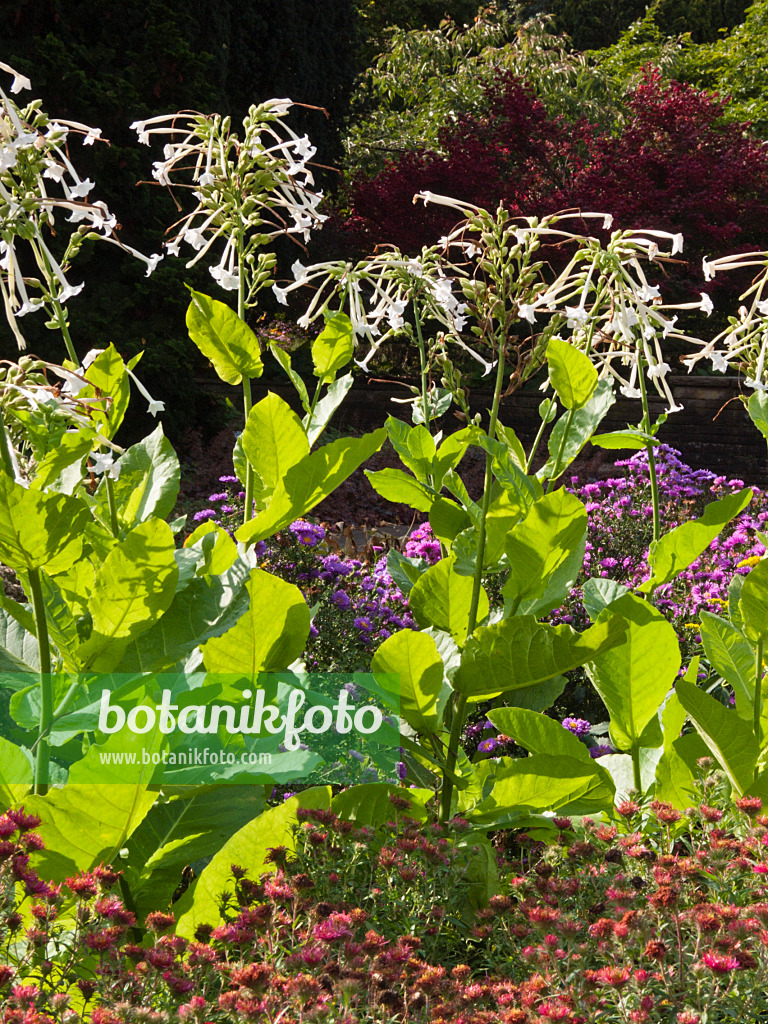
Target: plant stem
[637, 781]
[112, 506]
[758, 707]
[64, 328]
[534, 449]
[5, 449]
[247, 399]
[461, 698]
[423, 365]
[651, 457]
[46, 684]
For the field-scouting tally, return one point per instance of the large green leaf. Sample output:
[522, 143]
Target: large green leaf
[19, 654]
[733, 745]
[584, 422]
[675, 551]
[757, 407]
[207, 608]
[136, 583]
[370, 804]
[520, 652]
[538, 733]
[627, 440]
[397, 486]
[16, 774]
[523, 488]
[413, 659]
[753, 600]
[333, 347]
[88, 821]
[309, 481]
[224, 338]
[545, 553]
[571, 373]
[179, 830]
[537, 697]
[731, 655]
[634, 678]
[273, 440]
[544, 782]
[36, 528]
[247, 848]
[269, 636]
[148, 484]
[598, 592]
[442, 598]
[71, 450]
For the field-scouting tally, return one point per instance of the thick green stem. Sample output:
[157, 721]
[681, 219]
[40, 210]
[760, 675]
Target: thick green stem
[247, 399]
[5, 448]
[422, 365]
[115, 526]
[758, 708]
[46, 684]
[64, 328]
[536, 443]
[637, 781]
[460, 705]
[651, 457]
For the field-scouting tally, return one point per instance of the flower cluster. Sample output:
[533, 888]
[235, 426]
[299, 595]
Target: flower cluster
[653, 915]
[34, 158]
[248, 190]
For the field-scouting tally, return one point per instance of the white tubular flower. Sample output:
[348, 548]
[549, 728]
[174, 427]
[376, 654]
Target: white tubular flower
[154, 406]
[719, 361]
[706, 304]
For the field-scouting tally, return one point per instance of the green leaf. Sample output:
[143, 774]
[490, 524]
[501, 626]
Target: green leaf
[37, 528]
[217, 547]
[523, 488]
[269, 637]
[624, 440]
[757, 407]
[538, 733]
[179, 830]
[731, 655]
[412, 658]
[207, 608]
[514, 445]
[333, 347]
[441, 598]
[571, 373]
[544, 782]
[520, 652]
[71, 450]
[309, 481]
[148, 484]
[537, 697]
[326, 407]
[397, 486]
[753, 600]
[598, 593]
[634, 678]
[734, 747]
[88, 821]
[285, 361]
[223, 338]
[370, 804]
[413, 458]
[675, 551]
[504, 512]
[447, 520]
[734, 597]
[273, 440]
[405, 571]
[621, 769]
[248, 847]
[136, 583]
[16, 774]
[19, 655]
[545, 553]
[451, 452]
[584, 422]
[108, 377]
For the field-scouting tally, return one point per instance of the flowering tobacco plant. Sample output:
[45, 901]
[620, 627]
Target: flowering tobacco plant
[34, 166]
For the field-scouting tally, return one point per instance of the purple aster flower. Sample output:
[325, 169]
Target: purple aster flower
[341, 599]
[308, 534]
[313, 630]
[228, 480]
[363, 623]
[259, 548]
[227, 510]
[488, 745]
[203, 514]
[401, 771]
[578, 726]
[218, 497]
[600, 750]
